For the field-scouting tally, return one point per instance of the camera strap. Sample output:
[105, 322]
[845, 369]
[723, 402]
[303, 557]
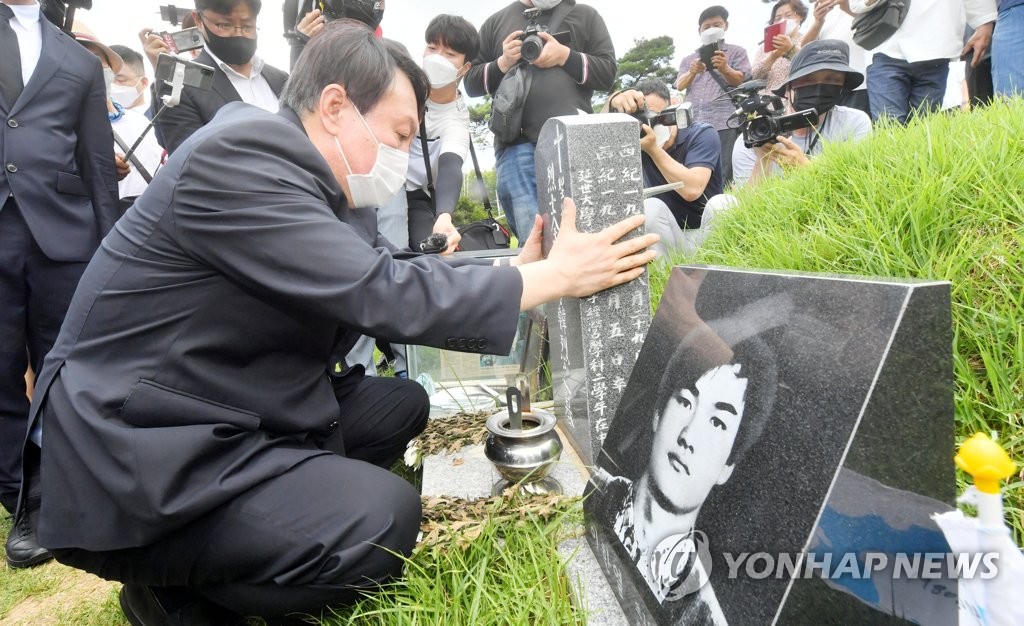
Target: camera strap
[426, 162]
[480, 178]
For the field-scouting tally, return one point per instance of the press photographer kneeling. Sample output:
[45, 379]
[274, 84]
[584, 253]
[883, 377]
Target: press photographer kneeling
[674, 150]
[819, 76]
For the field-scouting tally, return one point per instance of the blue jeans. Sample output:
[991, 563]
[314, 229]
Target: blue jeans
[517, 187]
[899, 89]
[1008, 52]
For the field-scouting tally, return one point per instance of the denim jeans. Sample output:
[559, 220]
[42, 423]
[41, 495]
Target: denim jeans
[899, 89]
[1008, 52]
[517, 187]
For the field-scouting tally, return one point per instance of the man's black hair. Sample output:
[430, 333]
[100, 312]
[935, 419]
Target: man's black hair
[347, 53]
[713, 11]
[131, 58]
[225, 7]
[455, 32]
[758, 365]
[655, 86]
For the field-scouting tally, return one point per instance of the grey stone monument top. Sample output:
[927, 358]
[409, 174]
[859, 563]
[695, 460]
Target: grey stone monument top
[595, 160]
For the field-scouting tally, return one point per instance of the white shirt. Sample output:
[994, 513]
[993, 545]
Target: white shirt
[30, 37]
[837, 26]
[252, 89]
[447, 131]
[933, 29]
[129, 127]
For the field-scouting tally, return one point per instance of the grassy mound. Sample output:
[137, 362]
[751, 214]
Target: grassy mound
[940, 199]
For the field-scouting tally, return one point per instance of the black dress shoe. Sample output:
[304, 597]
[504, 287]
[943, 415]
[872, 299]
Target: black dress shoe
[22, 549]
[162, 606]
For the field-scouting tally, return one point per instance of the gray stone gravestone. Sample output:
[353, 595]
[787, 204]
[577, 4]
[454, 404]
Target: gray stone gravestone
[595, 160]
[783, 442]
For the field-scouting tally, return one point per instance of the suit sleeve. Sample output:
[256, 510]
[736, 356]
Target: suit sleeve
[177, 123]
[95, 153]
[275, 236]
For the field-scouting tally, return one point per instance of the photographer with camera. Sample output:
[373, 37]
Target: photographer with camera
[819, 76]
[706, 74]
[305, 18]
[564, 67]
[674, 150]
[229, 30]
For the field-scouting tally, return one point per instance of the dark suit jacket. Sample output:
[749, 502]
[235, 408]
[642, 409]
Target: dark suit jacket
[57, 151]
[192, 361]
[197, 107]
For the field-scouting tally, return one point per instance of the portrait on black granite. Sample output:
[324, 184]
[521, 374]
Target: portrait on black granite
[743, 405]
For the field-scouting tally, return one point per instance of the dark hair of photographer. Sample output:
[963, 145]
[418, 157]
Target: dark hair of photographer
[225, 6]
[456, 33]
[712, 11]
[130, 58]
[363, 64]
[654, 86]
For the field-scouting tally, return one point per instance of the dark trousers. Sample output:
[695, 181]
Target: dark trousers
[727, 138]
[309, 538]
[34, 296]
[979, 82]
[421, 217]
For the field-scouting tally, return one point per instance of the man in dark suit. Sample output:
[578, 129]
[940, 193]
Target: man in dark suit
[229, 28]
[58, 198]
[188, 437]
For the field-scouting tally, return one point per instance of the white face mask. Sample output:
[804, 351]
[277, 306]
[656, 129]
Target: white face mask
[792, 26]
[383, 181]
[108, 78]
[661, 134]
[440, 71]
[712, 35]
[125, 95]
[544, 5]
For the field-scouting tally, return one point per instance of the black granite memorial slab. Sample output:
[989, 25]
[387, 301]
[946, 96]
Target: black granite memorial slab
[778, 432]
[595, 160]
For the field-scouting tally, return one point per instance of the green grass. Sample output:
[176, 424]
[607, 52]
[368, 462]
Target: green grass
[940, 199]
[508, 574]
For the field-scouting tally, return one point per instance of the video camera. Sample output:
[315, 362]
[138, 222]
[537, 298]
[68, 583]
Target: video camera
[678, 115]
[761, 116]
[533, 45]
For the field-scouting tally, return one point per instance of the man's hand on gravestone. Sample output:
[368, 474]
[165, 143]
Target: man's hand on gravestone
[533, 250]
[581, 264]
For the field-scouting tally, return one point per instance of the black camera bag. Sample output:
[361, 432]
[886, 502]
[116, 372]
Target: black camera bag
[506, 120]
[873, 28]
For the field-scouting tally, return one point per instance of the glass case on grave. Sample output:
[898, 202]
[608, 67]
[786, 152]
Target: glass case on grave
[469, 381]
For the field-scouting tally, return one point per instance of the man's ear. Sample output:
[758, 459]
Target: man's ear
[145, 82]
[464, 69]
[725, 474]
[333, 100]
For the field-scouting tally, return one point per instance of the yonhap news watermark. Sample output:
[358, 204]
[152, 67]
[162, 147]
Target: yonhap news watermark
[863, 565]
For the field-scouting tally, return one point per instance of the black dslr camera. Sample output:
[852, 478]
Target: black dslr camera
[678, 115]
[533, 45]
[761, 117]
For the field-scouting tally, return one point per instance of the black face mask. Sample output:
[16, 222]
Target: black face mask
[237, 50]
[821, 98]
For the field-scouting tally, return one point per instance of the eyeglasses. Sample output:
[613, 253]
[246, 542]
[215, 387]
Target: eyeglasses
[227, 29]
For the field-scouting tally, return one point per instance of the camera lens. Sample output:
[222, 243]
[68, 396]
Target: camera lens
[532, 47]
[760, 130]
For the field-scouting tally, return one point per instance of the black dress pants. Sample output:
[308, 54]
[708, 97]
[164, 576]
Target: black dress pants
[34, 296]
[310, 538]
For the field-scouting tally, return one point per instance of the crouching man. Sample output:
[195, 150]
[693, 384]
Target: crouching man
[188, 437]
[690, 155]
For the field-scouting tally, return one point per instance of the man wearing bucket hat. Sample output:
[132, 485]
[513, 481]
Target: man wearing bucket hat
[819, 77]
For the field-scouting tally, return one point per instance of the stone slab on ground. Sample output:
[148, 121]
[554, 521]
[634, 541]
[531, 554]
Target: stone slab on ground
[468, 474]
